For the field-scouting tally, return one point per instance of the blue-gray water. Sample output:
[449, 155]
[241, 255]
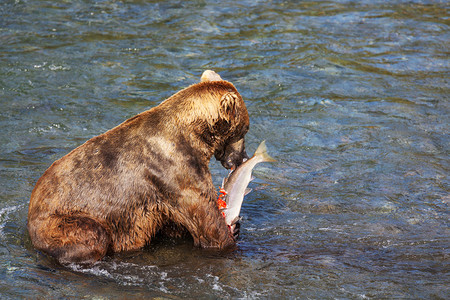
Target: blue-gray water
[351, 96]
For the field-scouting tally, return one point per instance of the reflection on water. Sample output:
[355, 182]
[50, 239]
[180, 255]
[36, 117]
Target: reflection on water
[350, 96]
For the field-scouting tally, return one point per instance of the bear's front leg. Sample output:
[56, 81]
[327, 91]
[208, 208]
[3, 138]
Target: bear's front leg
[206, 224]
[213, 232]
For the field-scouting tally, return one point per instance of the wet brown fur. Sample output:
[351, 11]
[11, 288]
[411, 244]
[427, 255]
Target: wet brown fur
[119, 189]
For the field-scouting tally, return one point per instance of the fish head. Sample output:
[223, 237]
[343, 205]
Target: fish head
[232, 154]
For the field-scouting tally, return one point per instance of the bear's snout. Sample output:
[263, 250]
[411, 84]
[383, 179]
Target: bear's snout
[234, 160]
[232, 155]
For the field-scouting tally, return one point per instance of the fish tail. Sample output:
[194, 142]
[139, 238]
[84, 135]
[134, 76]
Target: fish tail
[262, 151]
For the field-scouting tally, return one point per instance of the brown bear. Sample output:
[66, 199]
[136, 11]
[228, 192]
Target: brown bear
[148, 175]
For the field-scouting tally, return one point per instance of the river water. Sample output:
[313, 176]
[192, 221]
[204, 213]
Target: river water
[351, 96]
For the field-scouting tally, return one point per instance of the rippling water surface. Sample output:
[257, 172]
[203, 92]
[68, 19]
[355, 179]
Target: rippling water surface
[351, 96]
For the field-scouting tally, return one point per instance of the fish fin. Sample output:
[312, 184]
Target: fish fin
[247, 190]
[251, 178]
[224, 180]
[235, 220]
[262, 151]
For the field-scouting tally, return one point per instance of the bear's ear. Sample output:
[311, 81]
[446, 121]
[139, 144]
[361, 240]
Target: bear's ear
[228, 106]
[210, 75]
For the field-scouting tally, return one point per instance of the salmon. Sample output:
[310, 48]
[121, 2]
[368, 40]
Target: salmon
[234, 186]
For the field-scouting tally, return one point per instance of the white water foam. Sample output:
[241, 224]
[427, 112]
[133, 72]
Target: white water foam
[4, 216]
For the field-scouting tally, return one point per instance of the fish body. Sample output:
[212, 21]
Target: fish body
[234, 187]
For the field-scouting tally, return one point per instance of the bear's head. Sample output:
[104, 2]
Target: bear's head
[216, 115]
[232, 124]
